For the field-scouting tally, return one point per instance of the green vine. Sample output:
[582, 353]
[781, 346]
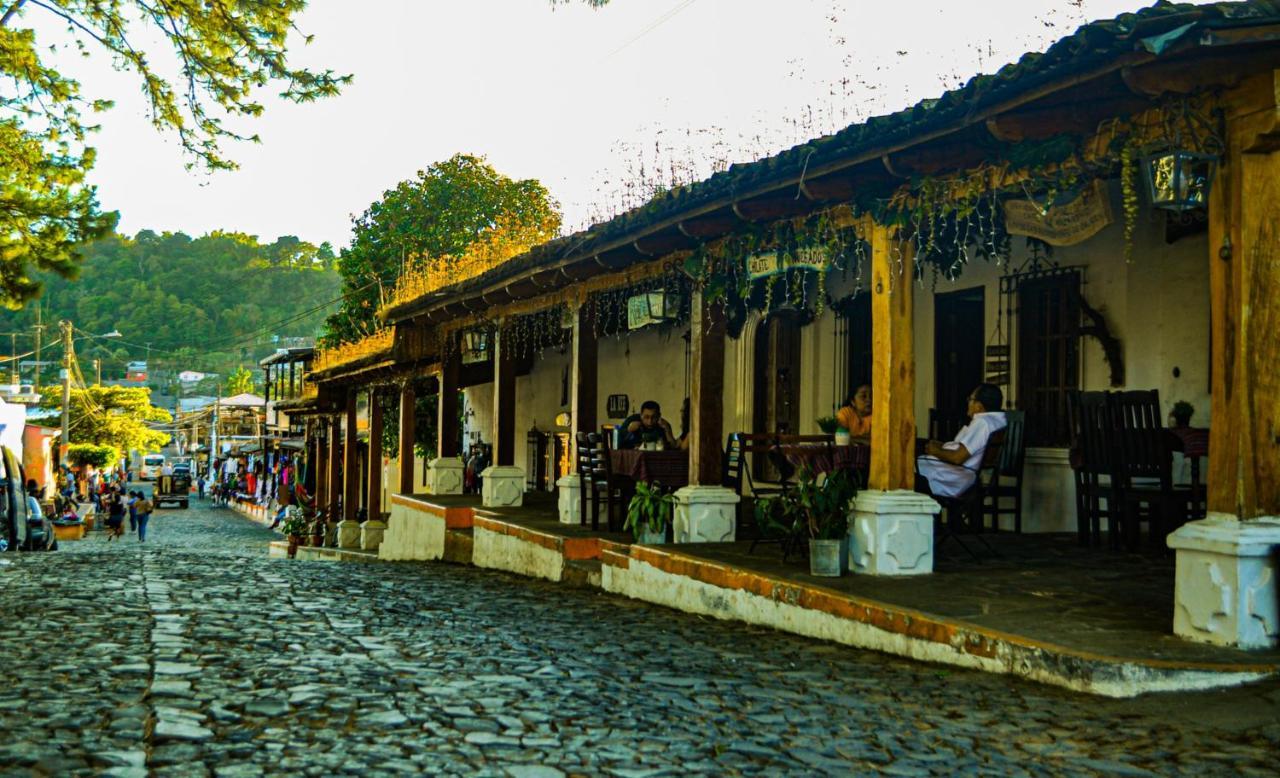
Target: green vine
[1129, 192]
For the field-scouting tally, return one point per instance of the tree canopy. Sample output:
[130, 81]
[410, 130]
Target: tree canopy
[115, 416]
[226, 52]
[446, 208]
[207, 304]
[240, 382]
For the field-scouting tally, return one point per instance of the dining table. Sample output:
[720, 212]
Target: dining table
[819, 458]
[1192, 443]
[668, 467]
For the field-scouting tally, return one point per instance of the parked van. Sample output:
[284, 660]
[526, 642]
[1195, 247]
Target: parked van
[151, 464]
[18, 528]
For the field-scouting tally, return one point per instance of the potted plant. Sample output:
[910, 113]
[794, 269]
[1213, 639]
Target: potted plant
[294, 527]
[649, 513]
[820, 510]
[1181, 414]
[831, 426]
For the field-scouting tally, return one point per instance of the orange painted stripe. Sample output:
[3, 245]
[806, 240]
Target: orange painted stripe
[455, 516]
[969, 638]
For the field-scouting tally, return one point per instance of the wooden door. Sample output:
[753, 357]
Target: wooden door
[777, 382]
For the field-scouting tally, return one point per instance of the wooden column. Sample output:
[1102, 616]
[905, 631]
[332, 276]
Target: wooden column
[585, 399]
[318, 464]
[1244, 442]
[893, 371]
[448, 431]
[408, 423]
[334, 481]
[504, 402]
[375, 456]
[706, 395]
[351, 457]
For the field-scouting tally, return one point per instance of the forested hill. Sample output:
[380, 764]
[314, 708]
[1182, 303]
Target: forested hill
[209, 304]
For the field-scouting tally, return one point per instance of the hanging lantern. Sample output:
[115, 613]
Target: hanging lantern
[475, 346]
[1179, 180]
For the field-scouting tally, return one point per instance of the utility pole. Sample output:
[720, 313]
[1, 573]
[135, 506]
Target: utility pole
[13, 358]
[35, 380]
[97, 370]
[67, 357]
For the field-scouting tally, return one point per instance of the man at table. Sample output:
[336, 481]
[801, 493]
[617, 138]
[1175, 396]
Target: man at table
[647, 427]
[949, 469]
[855, 416]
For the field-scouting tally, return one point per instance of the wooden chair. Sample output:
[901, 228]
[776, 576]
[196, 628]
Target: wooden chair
[1144, 469]
[1009, 465]
[595, 477]
[963, 513]
[1094, 468]
[945, 426]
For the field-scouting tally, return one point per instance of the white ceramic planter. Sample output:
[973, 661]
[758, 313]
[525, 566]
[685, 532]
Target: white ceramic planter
[828, 558]
[648, 538]
[843, 437]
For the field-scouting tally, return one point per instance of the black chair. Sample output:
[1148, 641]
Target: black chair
[1005, 477]
[945, 426]
[1144, 468]
[593, 472]
[1094, 462]
[962, 515]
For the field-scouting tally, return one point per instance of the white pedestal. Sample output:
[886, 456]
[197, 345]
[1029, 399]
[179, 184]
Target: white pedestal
[444, 475]
[503, 486]
[891, 533]
[705, 514]
[1225, 588]
[371, 533]
[569, 489]
[349, 534]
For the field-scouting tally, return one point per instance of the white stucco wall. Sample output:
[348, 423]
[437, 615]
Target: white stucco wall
[647, 364]
[538, 397]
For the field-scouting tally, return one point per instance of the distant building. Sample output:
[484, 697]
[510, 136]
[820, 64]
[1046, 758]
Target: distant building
[193, 376]
[136, 372]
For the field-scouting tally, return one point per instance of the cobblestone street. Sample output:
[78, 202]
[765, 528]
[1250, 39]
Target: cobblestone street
[194, 653]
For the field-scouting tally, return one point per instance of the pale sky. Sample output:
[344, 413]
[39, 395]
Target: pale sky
[582, 100]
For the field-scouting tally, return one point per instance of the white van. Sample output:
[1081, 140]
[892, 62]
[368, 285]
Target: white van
[151, 464]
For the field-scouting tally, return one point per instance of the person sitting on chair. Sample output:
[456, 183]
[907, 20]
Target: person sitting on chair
[855, 416]
[647, 427]
[949, 469]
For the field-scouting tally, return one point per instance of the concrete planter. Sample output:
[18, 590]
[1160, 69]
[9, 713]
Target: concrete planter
[648, 538]
[828, 558]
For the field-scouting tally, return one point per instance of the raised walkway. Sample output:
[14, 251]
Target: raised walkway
[1041, 608]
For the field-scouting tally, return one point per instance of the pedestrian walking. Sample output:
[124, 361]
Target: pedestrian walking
[145, 507]
[200, 487]
[133, 510]
[115, 515]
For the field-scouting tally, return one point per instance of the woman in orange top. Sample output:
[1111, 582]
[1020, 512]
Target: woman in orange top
[855, 416]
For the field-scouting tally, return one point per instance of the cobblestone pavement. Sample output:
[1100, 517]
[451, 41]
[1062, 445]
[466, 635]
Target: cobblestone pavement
[194, 654]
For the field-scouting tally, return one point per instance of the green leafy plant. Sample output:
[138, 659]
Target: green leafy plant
[828, 424]
[1182, 412]
[650, 509]
[818, 507]
[294, 522]
[100, 457]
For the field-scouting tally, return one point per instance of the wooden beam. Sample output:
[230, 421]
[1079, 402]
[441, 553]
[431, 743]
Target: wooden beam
[1213, 68]
[893, 372]
[584, 396]
[375, 455]
[663, 244]
[710, 226]
[408, 425]
[335, 467]
[320, 464]
[1080, 116]
[448, 431]
[351, 457]
[504, 401]
[706, 393]
[772, 207]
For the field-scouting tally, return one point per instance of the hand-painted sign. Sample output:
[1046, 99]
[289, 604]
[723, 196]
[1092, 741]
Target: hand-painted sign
[773, 262]
[651, 308]
[1065, 224]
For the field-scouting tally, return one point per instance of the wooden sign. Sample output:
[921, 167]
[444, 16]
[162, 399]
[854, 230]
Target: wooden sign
[772, 262]
[651, 308]
[1064, 224]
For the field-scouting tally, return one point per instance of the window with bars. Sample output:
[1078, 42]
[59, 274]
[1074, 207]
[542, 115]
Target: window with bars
[1048, 354]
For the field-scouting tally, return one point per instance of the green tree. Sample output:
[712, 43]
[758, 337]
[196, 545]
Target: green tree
[442, 211]
[240, 382]
[226, 52]
[116, 416]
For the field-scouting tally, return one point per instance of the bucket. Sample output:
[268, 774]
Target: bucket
[827, 557]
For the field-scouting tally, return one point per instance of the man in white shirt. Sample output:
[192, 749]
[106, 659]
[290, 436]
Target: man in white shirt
[949, 469]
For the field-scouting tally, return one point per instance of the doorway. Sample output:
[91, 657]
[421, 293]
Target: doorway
[777, 382]
[959, 332]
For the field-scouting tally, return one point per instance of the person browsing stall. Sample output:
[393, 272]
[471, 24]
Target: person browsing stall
[949, 469]
[855, 416]
[647, 428]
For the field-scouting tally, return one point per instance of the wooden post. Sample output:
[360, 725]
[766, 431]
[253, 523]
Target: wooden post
[375, 456]
[893, 372]
[447, 429]
[351, 457]
[1244, 436]
[706, 396]
[408, 423]
[585, 399]
[335, 467]
[319, 464]
[504, 402]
